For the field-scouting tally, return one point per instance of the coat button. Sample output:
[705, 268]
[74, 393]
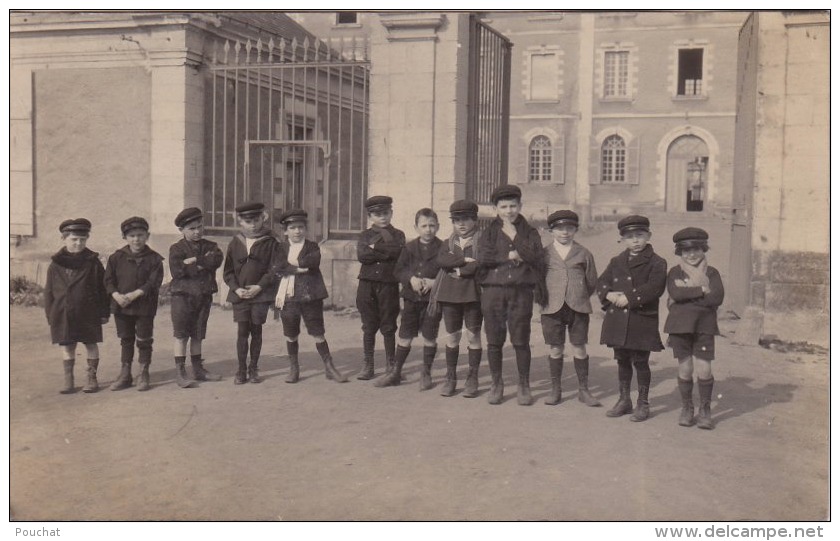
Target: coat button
[629, 278]
[625, 310]
[615, 279]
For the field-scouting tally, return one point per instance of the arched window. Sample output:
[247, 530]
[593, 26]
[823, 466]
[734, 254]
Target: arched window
[539, 159]
[613, 160]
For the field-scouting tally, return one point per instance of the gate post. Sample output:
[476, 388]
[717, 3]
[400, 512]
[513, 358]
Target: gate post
[418, 112]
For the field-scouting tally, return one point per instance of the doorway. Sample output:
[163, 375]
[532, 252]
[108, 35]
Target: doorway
[687, 175]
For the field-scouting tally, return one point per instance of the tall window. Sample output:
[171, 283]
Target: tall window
[616, 74]
[543, 79]
[613, 160]
[690, 72]
[539, 159]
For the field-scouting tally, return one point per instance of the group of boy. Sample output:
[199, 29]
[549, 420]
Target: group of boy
[490, 277]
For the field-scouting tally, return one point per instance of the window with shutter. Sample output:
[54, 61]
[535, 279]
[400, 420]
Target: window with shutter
[540, 154]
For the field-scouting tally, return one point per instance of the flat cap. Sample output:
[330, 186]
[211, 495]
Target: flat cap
[634, 222]
[188, 215]
[250, 208]
[75, 225]
[506, 191]
[378, 202]
[463, 208]
[135, 222]
[294, 215]
[563, 217]
[691, 236]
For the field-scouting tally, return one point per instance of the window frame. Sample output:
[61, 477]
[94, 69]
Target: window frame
[544, 172]
[557, 71]
[703, 93]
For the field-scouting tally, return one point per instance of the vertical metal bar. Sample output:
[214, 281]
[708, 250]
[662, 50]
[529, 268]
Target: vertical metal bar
[339, 145]
[224, 150]
[246, 174]
[471, 82]
[506, 51]
[365, 147]
[213, 154]
[236, 103]
[351, 147]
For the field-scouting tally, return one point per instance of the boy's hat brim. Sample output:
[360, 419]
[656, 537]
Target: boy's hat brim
[295, 215]
[135, 222]
[690, 234]
[463, 208]
[188, 215]
[634, 222]
[563, 217]
[378, 202]
[75, 225]
[251, 208]
[507, 191]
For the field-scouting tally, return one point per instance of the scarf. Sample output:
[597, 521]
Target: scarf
[696, 275]
[73, 261]
[287, 282]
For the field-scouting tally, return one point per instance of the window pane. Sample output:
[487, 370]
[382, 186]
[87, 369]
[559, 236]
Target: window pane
[613, 160]
[543, 77]
[690, 72]
[539, 162]
[615, 73]
[346, 17]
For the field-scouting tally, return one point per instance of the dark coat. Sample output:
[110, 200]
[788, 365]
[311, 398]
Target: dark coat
[259, 267]
[495, 269]
[378, 262]
[197, 278]
[309, 285]
[642, 280]
[75, 300]
[692, 311]
[419, 260]
[126, 272]
[460, 286]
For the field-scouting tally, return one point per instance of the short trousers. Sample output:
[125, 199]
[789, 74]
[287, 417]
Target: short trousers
[311, 312]
[631, 355]
[251, 312]
[415, 320]
[698, 345]
[189, 316]
[379, 306]
[141, 327]
[554, 327]
[507, 308]
[457, 315]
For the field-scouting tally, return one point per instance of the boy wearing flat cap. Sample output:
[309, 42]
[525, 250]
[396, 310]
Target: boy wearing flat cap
[629, 290]
[695, 292]
[378, 294]
[301, 293]
[250, 271]
[193, 261]
[416, 269]
[75, 301]
[511, 257]
[570, 281]
[456, 294]
[133, 277]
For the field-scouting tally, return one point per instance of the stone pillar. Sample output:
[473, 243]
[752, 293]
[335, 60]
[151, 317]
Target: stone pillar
[418, 107]
[585, 96]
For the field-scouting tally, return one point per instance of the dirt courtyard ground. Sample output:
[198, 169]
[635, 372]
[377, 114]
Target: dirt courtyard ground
[319, 450]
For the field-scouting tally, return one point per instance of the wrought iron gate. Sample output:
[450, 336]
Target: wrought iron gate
[489, 111]
[288, 127]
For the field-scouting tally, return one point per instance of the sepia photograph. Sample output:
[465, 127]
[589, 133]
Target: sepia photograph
[474, 265]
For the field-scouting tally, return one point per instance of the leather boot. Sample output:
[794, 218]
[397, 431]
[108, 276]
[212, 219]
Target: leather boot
[582, 371]
[69, 382]
[143, 379]
[199, 372]
[555, 367]
[394, 376]
[254, 372]
[471, 385]
[686, 392]
[451, 381]
[294, 366]
[181, 378]
[426, 374]
[330, 370]
[704, 412]
[92, 384]
[124, 380]
[241, 374]
[497, 384]
[624, 404]
[367, 370]
[642, 411]
[523, 366]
